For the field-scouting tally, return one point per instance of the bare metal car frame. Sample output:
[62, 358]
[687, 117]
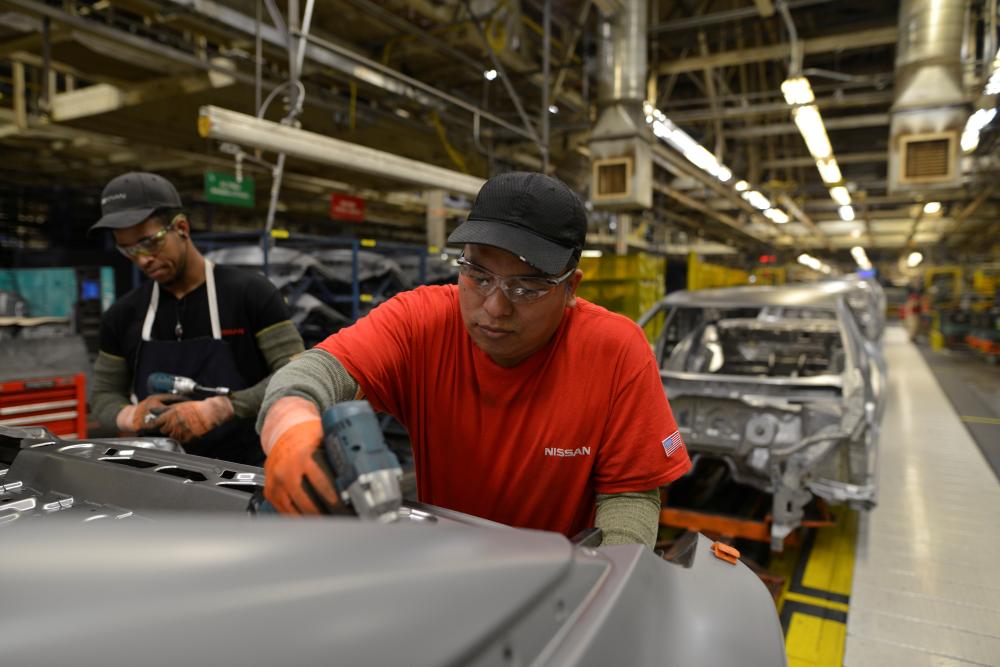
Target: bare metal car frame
[785, 385]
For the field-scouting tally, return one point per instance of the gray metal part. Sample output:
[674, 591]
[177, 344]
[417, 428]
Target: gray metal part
[338, 591]
[104, 474]
[650, 612]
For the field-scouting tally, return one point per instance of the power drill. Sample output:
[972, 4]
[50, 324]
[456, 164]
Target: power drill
[165, 383]
[366, 471]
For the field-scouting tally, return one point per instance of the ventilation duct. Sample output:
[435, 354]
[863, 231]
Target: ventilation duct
[621, 142]
[930, 105]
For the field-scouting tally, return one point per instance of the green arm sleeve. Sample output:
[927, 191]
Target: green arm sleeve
[315, 375]
[278, 343]
[111, 390]
[629, 518]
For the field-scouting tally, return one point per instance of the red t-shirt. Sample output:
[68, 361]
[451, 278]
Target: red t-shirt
[527, 446]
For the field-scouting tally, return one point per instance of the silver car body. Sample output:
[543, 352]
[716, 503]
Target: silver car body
[785, 385]
[122, 555]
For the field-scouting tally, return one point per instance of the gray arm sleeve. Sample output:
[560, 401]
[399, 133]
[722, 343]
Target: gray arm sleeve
[315, 375]
[110, 391]
[278, 343]
[629, 518]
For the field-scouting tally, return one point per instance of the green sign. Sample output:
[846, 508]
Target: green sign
[222, 188]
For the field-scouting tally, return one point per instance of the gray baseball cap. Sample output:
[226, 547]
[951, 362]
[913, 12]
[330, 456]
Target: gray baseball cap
[131, 198]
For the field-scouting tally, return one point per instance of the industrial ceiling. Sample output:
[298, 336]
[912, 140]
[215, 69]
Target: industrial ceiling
[92, 89]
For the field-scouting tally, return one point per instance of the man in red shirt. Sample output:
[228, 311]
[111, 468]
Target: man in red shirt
[524, 404]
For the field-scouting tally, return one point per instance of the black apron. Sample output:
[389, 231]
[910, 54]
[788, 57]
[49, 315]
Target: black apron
[209, 362]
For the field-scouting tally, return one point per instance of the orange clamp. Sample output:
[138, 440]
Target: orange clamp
[726, 552]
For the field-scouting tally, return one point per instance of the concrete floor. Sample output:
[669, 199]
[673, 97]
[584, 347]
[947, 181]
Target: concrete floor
[926, 589]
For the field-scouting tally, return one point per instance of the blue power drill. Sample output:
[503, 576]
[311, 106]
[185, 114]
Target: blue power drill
[366, 471]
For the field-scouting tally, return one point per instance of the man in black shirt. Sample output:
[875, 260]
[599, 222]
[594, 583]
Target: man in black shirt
[220, 326]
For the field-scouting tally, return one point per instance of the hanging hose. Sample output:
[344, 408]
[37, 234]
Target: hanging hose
[795, 59]
[455, 156]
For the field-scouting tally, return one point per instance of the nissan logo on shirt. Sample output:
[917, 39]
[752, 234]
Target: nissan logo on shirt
[563, 453]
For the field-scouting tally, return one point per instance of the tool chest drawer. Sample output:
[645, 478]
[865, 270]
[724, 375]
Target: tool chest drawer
[59, 403]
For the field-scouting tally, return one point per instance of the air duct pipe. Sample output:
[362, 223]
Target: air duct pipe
[930, 105]
[620, 142]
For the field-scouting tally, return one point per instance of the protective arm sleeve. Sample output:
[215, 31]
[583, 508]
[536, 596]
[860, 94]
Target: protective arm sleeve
[314, 375]
[628, 518]
[111, 391]
[278, 343]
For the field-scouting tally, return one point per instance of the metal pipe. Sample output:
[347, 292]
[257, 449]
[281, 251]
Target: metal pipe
[507, 84]
[795, 46]
[546, 47]
[258, 61]
[44, 101]
[414, 83]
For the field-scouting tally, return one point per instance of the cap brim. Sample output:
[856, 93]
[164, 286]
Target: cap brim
[122, 219]
[540, 252]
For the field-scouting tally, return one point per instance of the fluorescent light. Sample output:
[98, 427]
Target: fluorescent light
[797, 91]
[859, 255]
[757, 200]
[914, 259]
[724, 174]
[977, 121]
[694, 152]
[553, 108]
[776, 215]
[829, 171]
[810, 125]
[846, 213]
[840, 195]
[591, 253]
[932, 207]
[741, 186]
[490, 74]
[856, 234]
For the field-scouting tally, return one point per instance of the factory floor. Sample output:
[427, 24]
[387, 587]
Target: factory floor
[926, 587]
[915, 581]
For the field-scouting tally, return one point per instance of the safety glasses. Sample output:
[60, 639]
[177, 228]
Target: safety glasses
[517, 289]
[149, 245]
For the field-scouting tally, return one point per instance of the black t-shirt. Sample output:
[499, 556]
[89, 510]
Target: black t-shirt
[247, 301]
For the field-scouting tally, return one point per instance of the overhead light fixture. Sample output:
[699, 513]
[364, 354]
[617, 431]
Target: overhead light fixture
[856, 234]
[861, 257]
[977, 121]
[797, 91]
[840, 195]
[776, 215]
[553, 108]
[245, 130]
[846, 213]
[914, 259]
[816, 265]
[810, 125]
[757, 200]
[932, 207]
[993, 85]
[490, 74]
[829, 171]
[741, 186]
[592, 254]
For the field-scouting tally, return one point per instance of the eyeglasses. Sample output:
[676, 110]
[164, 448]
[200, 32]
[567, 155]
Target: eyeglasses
[517, 289]
[149, 245]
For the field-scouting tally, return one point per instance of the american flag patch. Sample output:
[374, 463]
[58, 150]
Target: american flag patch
[672, 443]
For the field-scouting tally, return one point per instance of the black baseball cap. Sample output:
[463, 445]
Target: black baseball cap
[534, 216]
[131, 198]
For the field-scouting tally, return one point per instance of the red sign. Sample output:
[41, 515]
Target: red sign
[346, 207]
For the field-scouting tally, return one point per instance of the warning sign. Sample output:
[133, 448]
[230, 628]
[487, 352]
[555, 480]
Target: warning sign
[346, 207]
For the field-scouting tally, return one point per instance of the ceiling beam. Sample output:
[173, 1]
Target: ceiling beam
[857, 39]
[842, 158]
[845, 123]
[831, 102]
[716, 18]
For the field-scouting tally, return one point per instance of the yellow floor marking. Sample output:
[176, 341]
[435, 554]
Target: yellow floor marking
[815, 642]
[831, 563]
[819, 602]
[981, 420]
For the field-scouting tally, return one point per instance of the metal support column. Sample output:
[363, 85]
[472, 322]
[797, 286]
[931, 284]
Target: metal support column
[622, 231]
[435, 220]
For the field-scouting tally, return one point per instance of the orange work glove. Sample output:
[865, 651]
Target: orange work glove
[190, 420]
[297, 479]
[133, 418]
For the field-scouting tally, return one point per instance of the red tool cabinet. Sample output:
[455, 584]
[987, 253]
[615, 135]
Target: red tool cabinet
[59, 403]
